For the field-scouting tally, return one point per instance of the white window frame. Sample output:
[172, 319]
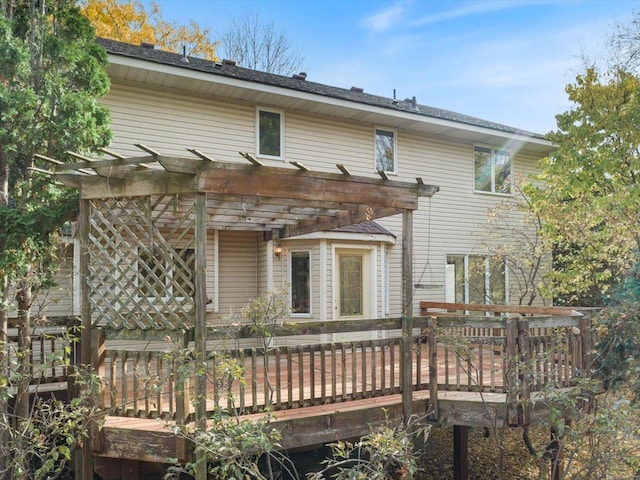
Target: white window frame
[395, 148]
[290, 280]
[493, 154]
[257, 130]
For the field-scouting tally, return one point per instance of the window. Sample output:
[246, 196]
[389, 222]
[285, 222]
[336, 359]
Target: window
[492, 170]
[270, 134]
[300, 280]
[351, 285]
[162, 275]
[385, 151]
[476, 279]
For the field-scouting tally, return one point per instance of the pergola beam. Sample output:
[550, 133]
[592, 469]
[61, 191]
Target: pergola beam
[252, 197]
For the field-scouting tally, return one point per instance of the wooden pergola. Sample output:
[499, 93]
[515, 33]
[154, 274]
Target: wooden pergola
[144, 205]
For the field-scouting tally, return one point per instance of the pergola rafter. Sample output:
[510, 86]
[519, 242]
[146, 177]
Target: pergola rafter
[291, 199]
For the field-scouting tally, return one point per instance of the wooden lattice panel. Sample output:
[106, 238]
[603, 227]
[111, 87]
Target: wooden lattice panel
[142, 262]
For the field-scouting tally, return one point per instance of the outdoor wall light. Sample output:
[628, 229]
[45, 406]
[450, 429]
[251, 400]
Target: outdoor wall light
[277, 250]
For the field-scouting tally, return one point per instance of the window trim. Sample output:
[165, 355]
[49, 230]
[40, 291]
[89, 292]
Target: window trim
[395, 148]
[257, 132]
[493, 152]
[289, 273]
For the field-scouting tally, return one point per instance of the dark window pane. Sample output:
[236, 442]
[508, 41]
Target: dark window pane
[183, 273]
[477, 290]
[482, 166]
[152, 273]
[502, 172]
[351, 286]
[385, 151]
[497, 280]
[300, 282]
[269, 134]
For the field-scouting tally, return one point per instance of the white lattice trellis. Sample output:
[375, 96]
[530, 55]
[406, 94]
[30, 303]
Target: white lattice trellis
[141, 262]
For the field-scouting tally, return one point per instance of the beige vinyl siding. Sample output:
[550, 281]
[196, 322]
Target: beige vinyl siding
[263, 252]
[452, 222]
[169, 124]
[238, 270]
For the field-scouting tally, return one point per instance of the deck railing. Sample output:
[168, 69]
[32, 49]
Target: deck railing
[52, 349]
[512, 355]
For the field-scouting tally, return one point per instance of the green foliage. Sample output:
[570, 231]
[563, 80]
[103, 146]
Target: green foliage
[51, 73]
[385, 453]
[39, 446]
[590, 198]
[234, 447]
[514, 235]
[618, 328]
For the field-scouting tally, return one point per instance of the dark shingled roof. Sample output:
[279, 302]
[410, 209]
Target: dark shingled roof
[352, 95]
[365, 227]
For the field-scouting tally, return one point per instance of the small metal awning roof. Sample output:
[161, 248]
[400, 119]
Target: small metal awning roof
[289, 200]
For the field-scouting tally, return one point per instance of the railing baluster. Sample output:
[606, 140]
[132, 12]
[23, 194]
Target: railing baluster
[278, 379]
[289, 377]
[301, 375]
[312, 375]
[334, 380]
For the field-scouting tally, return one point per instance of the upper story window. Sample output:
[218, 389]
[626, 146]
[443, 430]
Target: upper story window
[492, 170]
[385, 151]
[270, 133]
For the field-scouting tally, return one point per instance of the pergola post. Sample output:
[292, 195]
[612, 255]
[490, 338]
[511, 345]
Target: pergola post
[200, 325]
[407, 313]
[460, 452]
[86, 470]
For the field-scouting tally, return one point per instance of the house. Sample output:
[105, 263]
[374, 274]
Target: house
[223, 184]
[170, 103]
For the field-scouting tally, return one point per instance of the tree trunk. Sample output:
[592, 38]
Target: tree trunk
[25, 366]
[4, 321]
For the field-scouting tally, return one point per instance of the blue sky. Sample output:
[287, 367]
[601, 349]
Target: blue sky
[507, 61]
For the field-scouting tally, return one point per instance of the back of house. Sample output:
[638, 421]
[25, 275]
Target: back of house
[169, 104]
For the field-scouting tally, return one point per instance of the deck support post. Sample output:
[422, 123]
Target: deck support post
[407, 314]
[200, 333]
[86, 470]
[201, 326]
[460, 452]
[97, 364]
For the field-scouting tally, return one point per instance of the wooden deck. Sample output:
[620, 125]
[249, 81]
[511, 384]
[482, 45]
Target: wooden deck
[464, 370]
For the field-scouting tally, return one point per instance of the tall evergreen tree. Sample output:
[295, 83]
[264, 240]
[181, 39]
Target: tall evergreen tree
[51, 74]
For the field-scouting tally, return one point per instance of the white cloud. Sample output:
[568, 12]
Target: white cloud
[473, 8]
[385, 19]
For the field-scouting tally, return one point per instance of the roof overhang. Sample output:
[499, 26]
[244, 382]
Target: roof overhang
[135, 70]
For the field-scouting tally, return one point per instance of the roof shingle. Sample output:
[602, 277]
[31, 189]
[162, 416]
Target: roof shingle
[353, 95]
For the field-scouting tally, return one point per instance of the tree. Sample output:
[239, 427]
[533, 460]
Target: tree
[259, 46]
[130, 22]
[514, 237]
[51, 73]
[590, 195]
